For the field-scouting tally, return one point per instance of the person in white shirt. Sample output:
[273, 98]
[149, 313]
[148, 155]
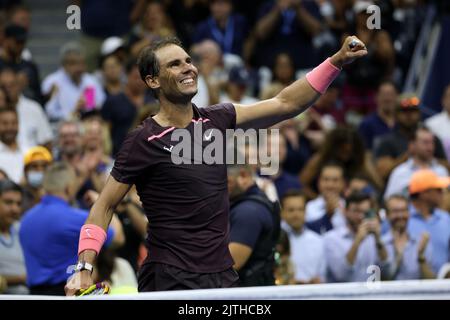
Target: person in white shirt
[439, 124]
[421, 151]
[326, 211]
[307, 247]
[34, 127]
[70, 88]
[11, 152]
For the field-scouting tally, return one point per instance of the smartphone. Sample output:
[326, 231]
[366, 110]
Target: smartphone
[89, 97]
[370, 214]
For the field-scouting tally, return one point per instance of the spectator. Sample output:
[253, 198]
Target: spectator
[69, 144]
[254, 228]
[421, 150]
[186, 15]
[344, 146]
[283, 74]
[20, 15]
[282, 180]
[11, 57]
[287, 26]
[307, 248]
[408, 256]
[329, 107]
[114, 46]
[112, 72]
[350, 250]
[155, 25]
[12, 265]
[439, 124]
[11, 151]
[36, 161]
[392, 147]
[94, 165]
[359, 92]
[71, 90]
[207, 55]
[326, 211]
[102, 19]
[381, 121]
[236, 87]
[299, 148]
[426, 190]
[47, 259]
[121, 110]
[34, 128]
[226, 28]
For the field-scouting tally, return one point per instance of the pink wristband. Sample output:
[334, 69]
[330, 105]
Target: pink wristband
[322, 76]
[92, 237]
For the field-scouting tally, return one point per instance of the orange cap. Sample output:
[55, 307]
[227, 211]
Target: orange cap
[425, 179]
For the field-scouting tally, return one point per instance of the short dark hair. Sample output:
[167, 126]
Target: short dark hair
[388, 82]
[147, 61]
[291, 193]
[420, 127]
[357, 197]
[396, 196]
[332, 164]
[8, 185]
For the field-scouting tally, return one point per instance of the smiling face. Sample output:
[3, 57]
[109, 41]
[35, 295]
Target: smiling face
[397, 213]
[177, 79]
[294, 212]
[10, 207]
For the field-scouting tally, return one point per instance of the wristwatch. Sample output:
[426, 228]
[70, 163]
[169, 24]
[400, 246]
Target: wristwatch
[83, 265]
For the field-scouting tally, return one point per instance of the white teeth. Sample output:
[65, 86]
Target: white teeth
[187, 81]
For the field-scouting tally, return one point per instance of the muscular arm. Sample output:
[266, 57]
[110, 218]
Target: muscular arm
[103, 209]
[295, 98]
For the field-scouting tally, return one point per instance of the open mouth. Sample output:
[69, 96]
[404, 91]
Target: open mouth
[187, 81]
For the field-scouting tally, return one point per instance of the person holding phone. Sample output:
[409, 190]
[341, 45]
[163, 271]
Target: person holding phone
[71, 91]
[355, 252]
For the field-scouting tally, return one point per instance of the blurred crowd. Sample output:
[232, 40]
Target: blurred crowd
[363, 176]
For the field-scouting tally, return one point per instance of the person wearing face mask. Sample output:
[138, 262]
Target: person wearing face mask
[36, 161]
[50, 230]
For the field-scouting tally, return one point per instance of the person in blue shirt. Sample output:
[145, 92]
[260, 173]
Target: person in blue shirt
[229, 30]
[381, 121]
[50, 230]
[408, 255]
[426, 192]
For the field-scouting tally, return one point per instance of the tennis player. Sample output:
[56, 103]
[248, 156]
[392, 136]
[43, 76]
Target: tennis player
[187, 204]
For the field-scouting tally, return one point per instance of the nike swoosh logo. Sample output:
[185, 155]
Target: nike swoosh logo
[208, 137]
[168, 149]
[88, 232]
